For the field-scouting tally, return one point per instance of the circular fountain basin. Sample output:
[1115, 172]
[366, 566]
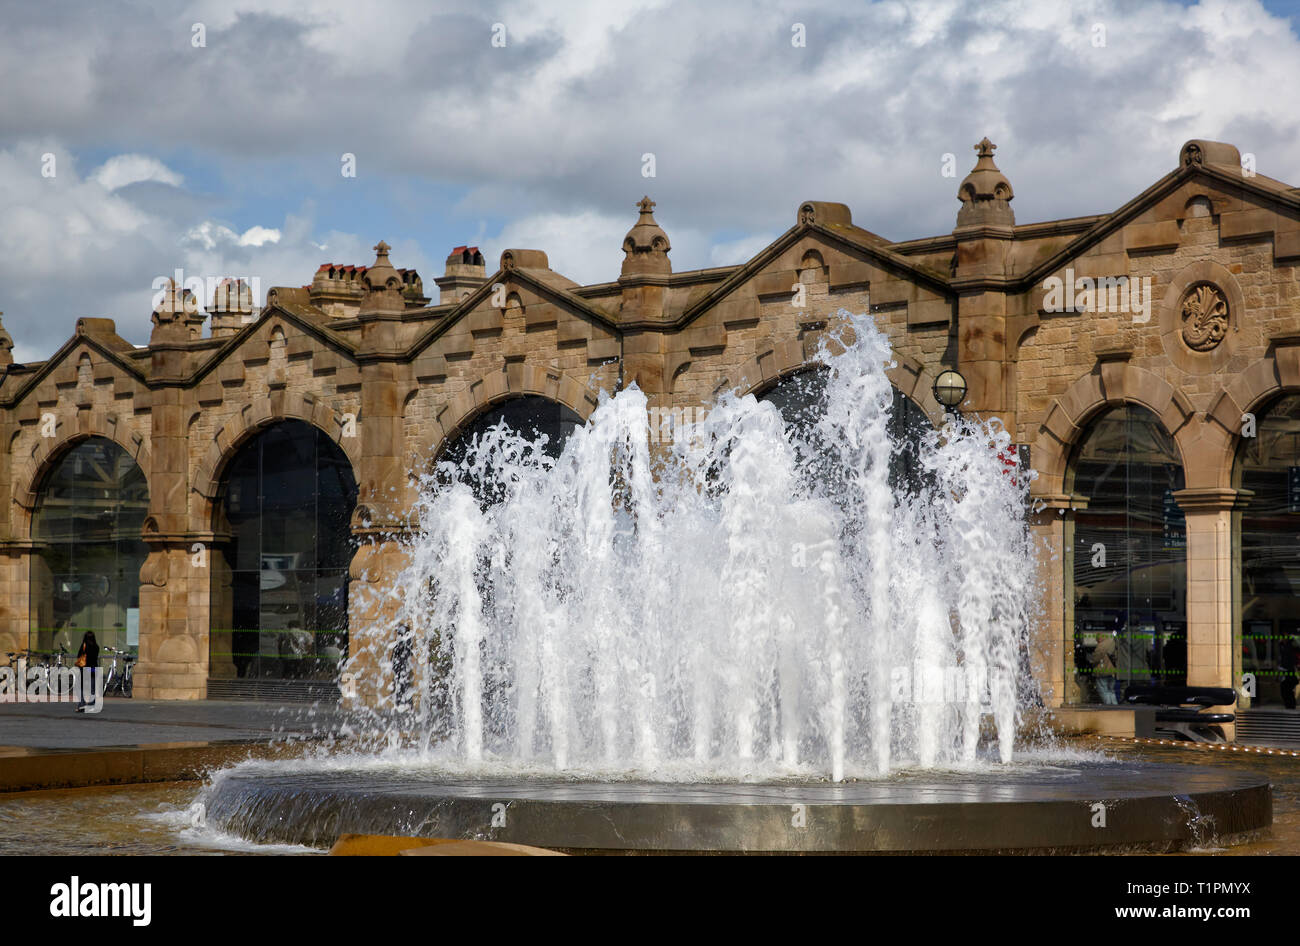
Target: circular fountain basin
[1067, 806]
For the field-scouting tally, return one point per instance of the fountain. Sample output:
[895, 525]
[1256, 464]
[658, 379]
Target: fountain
[741, 637]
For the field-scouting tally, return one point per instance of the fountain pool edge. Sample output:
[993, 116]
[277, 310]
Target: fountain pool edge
[1106, 806]
[34, 769]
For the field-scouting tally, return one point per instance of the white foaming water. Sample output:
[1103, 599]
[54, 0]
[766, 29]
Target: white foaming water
[717, 607]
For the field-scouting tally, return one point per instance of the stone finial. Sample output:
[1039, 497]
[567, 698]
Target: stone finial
[523, 259]
[6, 345]
[825, 214]
[170, 314]
[232, 307]
[381, 270]
[383, 285]
[1199, 152]
[646, 246]
[985, 194]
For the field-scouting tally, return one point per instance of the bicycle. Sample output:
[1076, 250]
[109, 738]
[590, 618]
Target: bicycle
[119, 672]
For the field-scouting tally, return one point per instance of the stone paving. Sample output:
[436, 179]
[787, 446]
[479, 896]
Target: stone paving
[125, 722]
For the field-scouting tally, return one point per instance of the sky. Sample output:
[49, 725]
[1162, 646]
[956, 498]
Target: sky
[141, 138]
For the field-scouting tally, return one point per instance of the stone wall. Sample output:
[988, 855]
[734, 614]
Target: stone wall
[391, 379]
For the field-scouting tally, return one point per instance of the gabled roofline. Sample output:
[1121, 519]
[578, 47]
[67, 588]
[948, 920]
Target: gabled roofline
[876, 248]
[331, 338]
[1125, 214]
[54, 362]
[556, 294]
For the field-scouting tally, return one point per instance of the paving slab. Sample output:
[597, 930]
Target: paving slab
[131, 722]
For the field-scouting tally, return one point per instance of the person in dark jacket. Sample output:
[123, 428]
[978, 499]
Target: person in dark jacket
[90, 652]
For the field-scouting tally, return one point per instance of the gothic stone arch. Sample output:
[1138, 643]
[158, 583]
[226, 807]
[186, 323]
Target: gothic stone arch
[1277, 373]
[517, 380]
[31, 470]
[1114, 382]
[247, 423]
[908, 375]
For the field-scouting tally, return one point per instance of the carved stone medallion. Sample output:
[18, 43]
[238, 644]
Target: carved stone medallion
[1204, 314]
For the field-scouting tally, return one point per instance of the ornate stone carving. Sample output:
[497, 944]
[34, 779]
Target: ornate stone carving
[1204, 314]
[985, 193]
[646, 246]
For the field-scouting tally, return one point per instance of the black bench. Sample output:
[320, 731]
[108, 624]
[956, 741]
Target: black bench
[1179, 709]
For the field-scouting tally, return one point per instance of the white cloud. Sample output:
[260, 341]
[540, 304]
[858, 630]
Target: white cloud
[101, 252]
[208, 235]
[117, 172]
[259, 236]
[548, 132]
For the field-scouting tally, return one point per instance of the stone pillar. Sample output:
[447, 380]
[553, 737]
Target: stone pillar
[374, 602]
[16, 550]
[982, 356]
[173, 641]
[1213, 633]
[984, 235]
[384, 491]
[174, 580]
[1052, 645]
[17, 560]
[378, 525]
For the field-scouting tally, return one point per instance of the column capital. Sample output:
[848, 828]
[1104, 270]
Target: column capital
[1212, 499]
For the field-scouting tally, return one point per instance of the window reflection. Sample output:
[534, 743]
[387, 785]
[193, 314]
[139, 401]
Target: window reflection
[530, 416]
[86, 566]
[801, 399]
[1130, 572]
[280, 602]
[1269, 466]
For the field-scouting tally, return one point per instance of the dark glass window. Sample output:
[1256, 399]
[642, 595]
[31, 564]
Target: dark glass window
[280, 606]
[86, 567]
[1129, 545]
[801, 399]
[530, 416]
[1269, 466]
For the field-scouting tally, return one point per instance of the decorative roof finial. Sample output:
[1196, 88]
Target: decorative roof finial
[383, 285]
[646, 246]
[986, 193]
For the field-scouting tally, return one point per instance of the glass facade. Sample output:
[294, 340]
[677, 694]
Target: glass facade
[801, 399]
[531, 416]
[86, 565]
[1268, 465]
[1128, 557]
[280, 596]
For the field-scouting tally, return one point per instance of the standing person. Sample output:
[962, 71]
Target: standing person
[1103, 667]
[88, 656]
[1287, 661]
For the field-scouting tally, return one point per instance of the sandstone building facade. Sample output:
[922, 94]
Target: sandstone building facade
[1148, 358]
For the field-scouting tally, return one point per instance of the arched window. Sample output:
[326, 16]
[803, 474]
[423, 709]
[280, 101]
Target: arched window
[1129, 569]
[280, 604]
[801, 399]
[1268, 464]
[86, 566]
[532, 416]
